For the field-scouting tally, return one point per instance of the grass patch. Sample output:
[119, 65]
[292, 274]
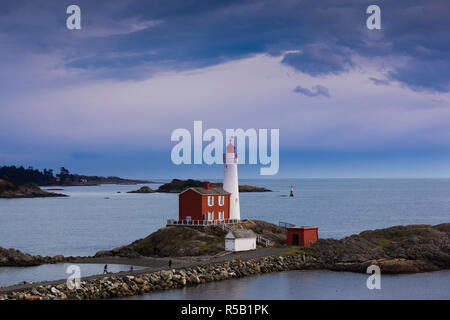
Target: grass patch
[298, 250]
[383, 243]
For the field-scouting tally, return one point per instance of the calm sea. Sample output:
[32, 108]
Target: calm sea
[98, 218]
[315, 285]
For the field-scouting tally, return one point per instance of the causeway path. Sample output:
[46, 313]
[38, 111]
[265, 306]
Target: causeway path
[150, 264]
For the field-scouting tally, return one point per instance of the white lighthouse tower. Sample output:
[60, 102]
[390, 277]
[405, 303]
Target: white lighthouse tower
[230, 181]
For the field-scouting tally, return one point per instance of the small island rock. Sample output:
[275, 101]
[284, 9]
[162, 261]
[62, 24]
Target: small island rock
[144, 189]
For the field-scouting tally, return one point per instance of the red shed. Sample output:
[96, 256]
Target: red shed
[302, 236]
[204, 205]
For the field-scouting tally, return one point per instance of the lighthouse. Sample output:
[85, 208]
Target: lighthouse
[230, 181]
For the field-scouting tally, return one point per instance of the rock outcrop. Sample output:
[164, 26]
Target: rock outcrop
[16, 258]
[399, 249]
[177, 186]
[179, 241]
[173, 242]
[250, 188]
[10, 190]
[144, 189]
[275, 234]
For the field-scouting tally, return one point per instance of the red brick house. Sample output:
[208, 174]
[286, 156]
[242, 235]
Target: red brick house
[204, 205]
[302, 236]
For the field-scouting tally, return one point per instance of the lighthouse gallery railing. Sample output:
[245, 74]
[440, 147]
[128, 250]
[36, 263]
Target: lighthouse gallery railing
[173, 222]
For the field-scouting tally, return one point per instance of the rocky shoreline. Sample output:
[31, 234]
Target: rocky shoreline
[16, 258]
[10, 190]
[399, 249]
[116, 286]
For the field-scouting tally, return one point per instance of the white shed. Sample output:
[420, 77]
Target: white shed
[240, 240]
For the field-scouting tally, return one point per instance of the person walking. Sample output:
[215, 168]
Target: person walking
[105, 269]
[131, 268]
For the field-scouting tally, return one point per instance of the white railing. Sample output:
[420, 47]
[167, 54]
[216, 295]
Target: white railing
[261, 240]
[286, 224]
[173, 222]
[226, 228]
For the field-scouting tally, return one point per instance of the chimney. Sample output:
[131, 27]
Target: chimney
[206, 185]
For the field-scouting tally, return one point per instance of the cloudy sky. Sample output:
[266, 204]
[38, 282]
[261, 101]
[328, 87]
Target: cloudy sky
[349, 101]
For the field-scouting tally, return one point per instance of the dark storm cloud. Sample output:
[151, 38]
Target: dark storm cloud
[317, 90]
[131, 39]
[320, 59]
[424, 74]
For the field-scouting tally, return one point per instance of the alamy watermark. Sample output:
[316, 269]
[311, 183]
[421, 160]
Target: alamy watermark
[73, 22]
[74, 280]
[373, 22]
[374, 281]
[213, 152]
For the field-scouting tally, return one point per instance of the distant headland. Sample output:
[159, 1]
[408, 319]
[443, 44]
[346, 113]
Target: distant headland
[18, 182]
[21, 176]
[10, 190]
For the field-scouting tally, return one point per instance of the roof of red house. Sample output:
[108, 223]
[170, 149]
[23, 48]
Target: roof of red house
[240, 233]
[210, 191]
[303, 227]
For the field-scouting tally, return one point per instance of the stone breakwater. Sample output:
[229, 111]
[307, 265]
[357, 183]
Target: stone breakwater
[115, 286]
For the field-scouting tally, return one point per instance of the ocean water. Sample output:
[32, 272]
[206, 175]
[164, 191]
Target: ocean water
[316, 285]
[98, 218]
[14, 275]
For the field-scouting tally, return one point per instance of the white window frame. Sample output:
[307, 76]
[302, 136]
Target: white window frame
[210, 201]
[221, 215]
[221, 201]
[211, 216]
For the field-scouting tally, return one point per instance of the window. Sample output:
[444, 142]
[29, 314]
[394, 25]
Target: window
[211, 216]
[221, 215]
[210, 201]
[221, 200]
